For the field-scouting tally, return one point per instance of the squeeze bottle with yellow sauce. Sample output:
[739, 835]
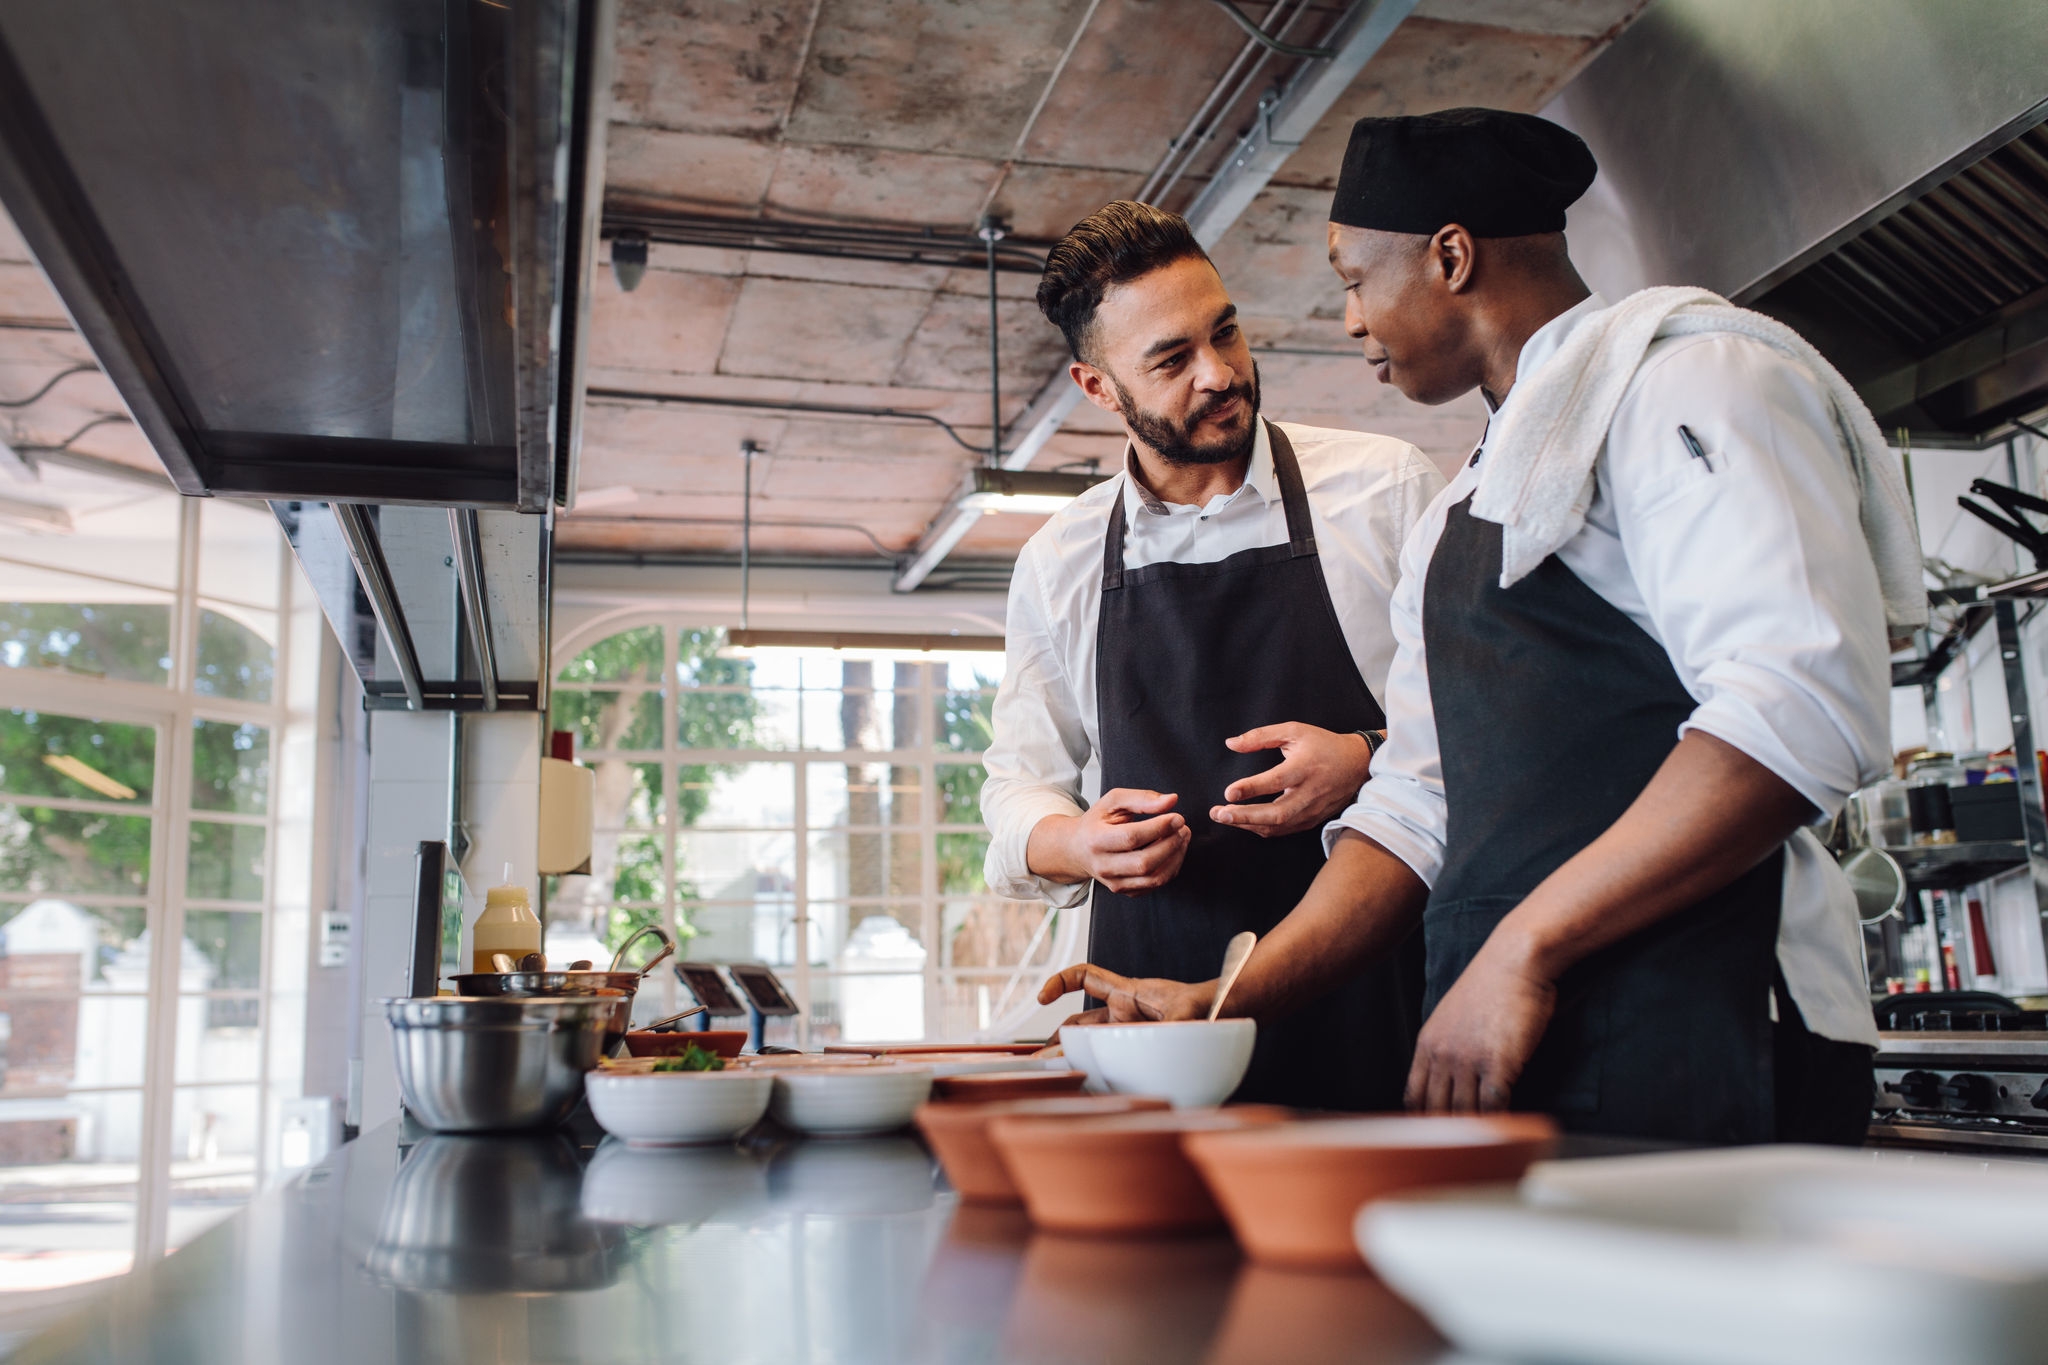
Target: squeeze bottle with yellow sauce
[507, 925]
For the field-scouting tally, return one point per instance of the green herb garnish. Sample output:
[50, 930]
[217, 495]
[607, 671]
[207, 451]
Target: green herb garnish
[694, 1058]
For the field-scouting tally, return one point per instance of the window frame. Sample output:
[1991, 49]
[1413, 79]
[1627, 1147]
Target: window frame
[926, 757]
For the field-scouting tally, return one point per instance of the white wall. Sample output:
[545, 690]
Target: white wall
[411, 767]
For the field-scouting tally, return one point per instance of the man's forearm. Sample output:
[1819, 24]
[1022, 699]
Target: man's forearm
[1363, 902]
[1049, 852]
[1710, 814]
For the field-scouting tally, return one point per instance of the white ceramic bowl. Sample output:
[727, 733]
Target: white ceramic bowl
[649, 1186]
[1074, 1041]
[666, 1108]
[1193, 1063]
[843, 1101]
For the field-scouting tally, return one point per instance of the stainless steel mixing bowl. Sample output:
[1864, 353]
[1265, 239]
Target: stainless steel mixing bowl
[473, 1065]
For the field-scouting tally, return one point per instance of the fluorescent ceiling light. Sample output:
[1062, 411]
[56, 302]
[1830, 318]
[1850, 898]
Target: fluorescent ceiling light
[618, 495]
[11, 460]
[83, 773]
[1021, 490]
[36, 516]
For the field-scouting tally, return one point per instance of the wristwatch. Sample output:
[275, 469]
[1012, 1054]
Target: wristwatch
[1373, 739]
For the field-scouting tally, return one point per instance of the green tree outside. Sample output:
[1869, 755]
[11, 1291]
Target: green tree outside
[612, 720]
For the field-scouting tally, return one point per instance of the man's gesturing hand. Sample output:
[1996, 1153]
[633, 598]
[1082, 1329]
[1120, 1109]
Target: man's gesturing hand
[1130, 841]
[1129, 997]
[1319, 774]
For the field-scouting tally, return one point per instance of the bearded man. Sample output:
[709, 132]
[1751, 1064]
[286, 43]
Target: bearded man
[1197, 657]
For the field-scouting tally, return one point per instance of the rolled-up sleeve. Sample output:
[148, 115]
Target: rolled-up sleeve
[1401, 807]
[1039, 752]
[1787, 656]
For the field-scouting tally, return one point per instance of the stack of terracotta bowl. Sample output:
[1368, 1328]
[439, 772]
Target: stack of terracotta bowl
[1169, 1163]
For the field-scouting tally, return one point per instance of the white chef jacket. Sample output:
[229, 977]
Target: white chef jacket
[1365, 494]
[1750, 568]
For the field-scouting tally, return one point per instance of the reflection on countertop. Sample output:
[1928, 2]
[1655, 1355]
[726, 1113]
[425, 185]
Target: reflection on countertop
[436, 1250]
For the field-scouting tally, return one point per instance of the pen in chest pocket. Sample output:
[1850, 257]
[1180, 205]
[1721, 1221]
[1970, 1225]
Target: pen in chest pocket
[1692, 445]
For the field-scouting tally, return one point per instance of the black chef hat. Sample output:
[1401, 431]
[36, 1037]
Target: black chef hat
[1494, 173]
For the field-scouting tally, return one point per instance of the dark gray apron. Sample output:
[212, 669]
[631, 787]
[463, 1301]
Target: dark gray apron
[1186, 656]
[1553, 711]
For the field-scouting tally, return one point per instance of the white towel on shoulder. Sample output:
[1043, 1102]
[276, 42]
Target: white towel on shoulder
[1537, 479]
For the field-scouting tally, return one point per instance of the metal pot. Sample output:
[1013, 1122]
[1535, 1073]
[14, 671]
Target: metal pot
[541, 984]
[469, 1065]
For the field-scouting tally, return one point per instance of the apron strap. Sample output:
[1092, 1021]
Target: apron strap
[1301, 533]
[1113, 544]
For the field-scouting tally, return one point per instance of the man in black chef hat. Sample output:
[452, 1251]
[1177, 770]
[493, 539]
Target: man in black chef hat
[1641, 646]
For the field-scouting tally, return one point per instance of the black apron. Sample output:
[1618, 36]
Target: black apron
[1186, 656]
[1553, 711]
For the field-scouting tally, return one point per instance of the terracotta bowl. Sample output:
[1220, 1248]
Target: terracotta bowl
[1124, 1175]
[1008, 1085]
[958, 1134]
[1292, 1191]
[726, 1042]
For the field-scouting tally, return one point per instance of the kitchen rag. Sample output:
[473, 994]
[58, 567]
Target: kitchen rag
[1537, 478]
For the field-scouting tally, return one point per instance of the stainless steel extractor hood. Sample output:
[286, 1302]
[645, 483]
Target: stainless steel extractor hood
[327, 251]
[1872, 172]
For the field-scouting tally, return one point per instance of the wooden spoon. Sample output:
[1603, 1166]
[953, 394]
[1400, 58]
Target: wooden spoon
[1234, 957]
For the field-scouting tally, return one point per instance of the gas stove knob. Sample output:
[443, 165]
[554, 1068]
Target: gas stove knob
[1918, 1089]
[2040, 1100]
[1973, 1094]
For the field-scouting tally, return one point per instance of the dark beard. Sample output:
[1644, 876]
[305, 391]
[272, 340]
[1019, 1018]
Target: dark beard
[1172, 440]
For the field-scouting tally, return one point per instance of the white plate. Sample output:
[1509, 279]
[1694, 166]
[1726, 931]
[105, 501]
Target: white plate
[1751, 1256]
[668, 1107]
[842, 1101]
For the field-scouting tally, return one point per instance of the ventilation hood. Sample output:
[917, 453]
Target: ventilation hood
[323, 251]
[1872, 172]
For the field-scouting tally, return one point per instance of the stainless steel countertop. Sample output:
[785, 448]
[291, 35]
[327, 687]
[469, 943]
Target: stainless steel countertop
[553, 1248]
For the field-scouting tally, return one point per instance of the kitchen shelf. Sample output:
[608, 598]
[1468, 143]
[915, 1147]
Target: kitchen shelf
[1950, 867]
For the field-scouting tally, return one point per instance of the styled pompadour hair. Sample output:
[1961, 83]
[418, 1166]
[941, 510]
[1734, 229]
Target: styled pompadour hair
[1113, 245]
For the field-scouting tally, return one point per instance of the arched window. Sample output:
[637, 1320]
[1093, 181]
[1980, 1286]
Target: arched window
[155, 788]
[813, 809]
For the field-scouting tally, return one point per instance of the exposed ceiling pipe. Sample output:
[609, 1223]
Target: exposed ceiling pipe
[991, 231]
[1284, 124]
[777, 405]
[1270, 42]
[631, 226]
[476, 607]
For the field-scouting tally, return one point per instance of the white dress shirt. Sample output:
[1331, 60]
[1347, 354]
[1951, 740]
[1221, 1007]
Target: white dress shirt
[1750, 568]
[1365, 493]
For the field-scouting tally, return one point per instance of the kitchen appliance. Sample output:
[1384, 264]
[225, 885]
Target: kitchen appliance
[1961, 1070]
[468, 1065]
